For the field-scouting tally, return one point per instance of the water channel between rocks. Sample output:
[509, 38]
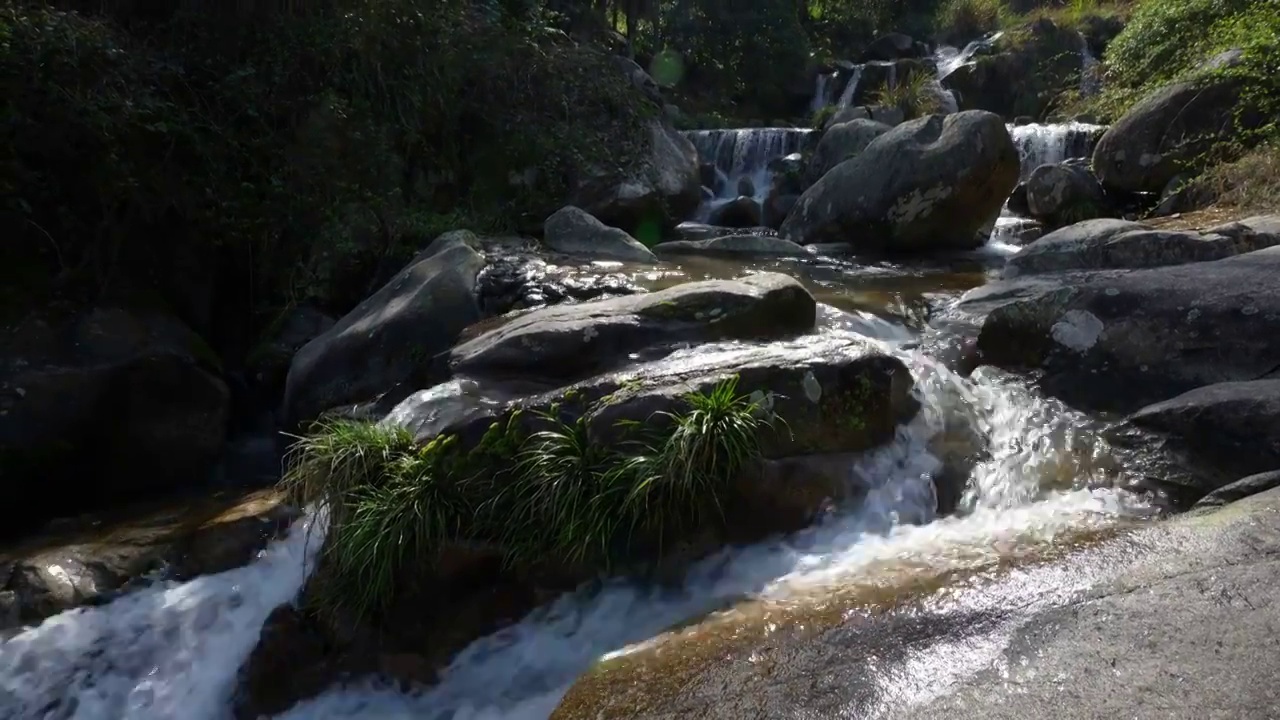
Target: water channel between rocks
[1041, 483]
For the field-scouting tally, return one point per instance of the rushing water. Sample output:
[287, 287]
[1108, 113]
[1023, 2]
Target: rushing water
[741, 157]
[172, 651]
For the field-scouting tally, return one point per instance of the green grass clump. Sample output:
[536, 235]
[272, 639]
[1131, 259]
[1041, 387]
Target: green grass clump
[555, 495]
[916, 95]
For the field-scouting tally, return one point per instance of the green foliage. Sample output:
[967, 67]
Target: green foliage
[553, 494]
[964, 20]
[1169, 41]
[296, 155]
[915, 94]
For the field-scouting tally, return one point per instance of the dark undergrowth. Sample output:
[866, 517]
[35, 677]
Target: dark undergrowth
[230, 160]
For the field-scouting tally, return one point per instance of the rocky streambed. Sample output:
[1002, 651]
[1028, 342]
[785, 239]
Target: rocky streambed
[981, 443]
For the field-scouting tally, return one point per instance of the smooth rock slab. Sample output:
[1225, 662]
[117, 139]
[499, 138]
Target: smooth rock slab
[1108, 243]
[741, 245]
[571, 342]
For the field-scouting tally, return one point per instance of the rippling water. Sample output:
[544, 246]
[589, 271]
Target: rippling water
[172, 651]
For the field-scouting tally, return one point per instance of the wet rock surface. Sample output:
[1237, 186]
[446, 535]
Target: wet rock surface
[91, 561]
[732, 245]
[577, 340]
[1113, 619]
[1119, 340]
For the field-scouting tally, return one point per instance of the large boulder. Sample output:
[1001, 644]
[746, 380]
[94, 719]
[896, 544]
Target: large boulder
[667, 190]
[573, 232]
[574, 341]
[102, 406]
[1066, 193]
[1171, 131]
[1119, 340]
[399, 335]
[931, 183]
[1208, 438]
[842, 142]
[1108, 243]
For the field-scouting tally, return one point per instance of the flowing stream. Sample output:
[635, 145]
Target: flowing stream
[171, 651]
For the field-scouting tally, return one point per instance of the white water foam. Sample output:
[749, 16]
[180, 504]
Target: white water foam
[171, 653]
[167, 652]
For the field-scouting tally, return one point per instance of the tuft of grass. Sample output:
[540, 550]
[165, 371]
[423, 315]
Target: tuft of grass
[338, 457]
[394, 505]
[389, 502]
[564, 499]
[916, 95]
[686, 472]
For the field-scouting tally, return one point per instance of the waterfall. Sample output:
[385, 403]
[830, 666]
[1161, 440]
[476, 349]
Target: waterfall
[743, 154]
[851, 87]
[172, 652]
[821, 91]
[1051, 144]
[1090, 79]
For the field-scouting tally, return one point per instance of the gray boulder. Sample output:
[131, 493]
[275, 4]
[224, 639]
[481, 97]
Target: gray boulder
[1169, 132]
[743, 245]
[665, 192]
[573, 341]
[842, 142]
[398, 336]
[573, 232]
[1208, 438]
[741, 212]
[929, 184]
[104, 406]
[1119, 340]
[1240, 489]
[1109, 243]
[1066, 193]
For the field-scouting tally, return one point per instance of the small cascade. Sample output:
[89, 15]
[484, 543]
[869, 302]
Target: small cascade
[851, 87]
[944, 61]
[1090, 72]
[949, 59]
[1051, 144]
[173, 651]
[822, 91]
[741, 157]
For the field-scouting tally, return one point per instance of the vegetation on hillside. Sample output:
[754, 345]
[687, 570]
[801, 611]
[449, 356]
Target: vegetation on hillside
[553, 494]
[286, 153]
